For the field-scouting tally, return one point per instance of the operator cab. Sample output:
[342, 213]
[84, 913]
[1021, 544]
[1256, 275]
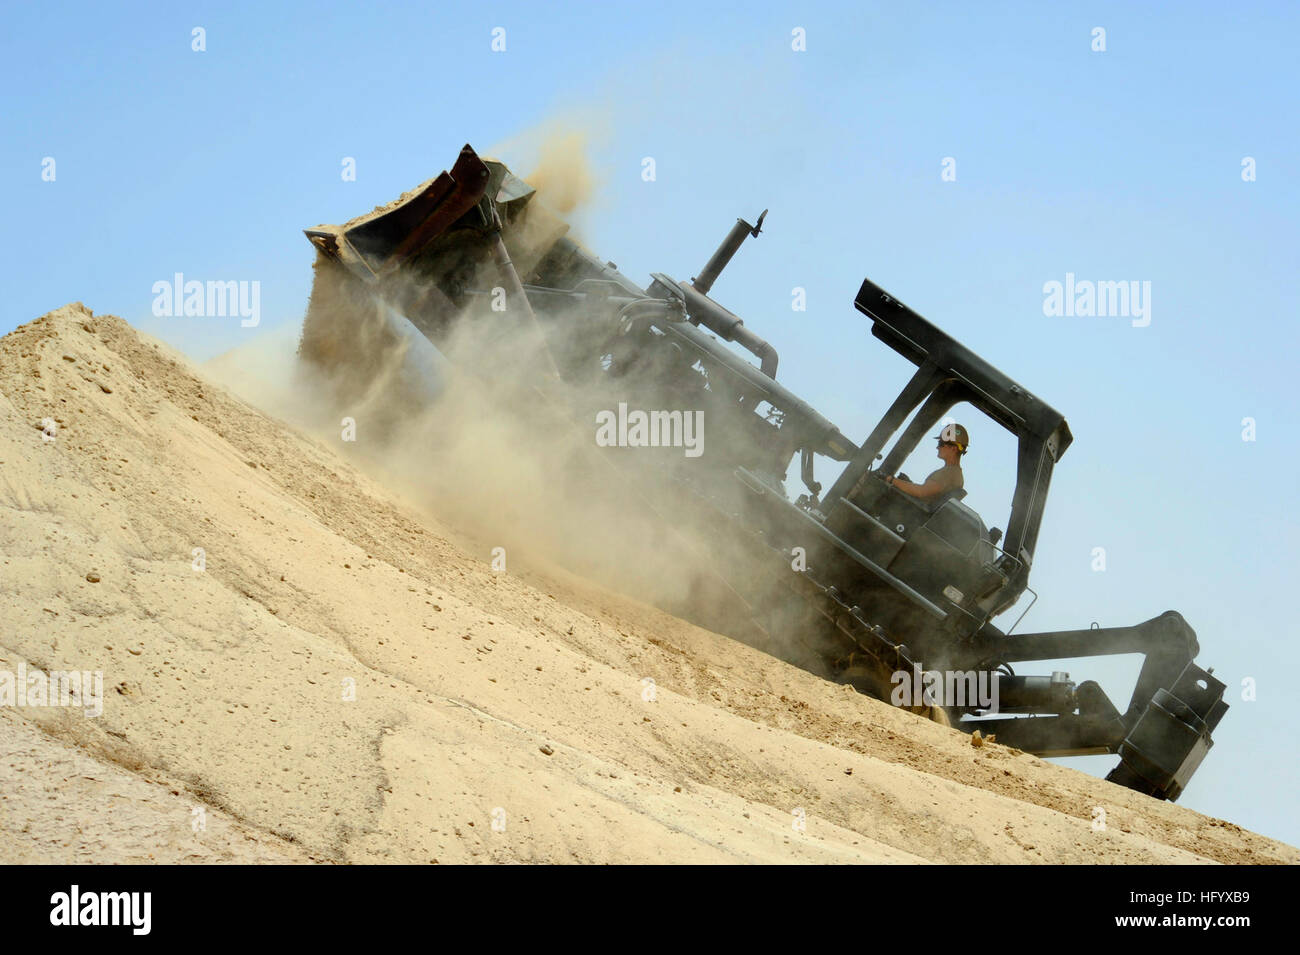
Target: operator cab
[940, 547]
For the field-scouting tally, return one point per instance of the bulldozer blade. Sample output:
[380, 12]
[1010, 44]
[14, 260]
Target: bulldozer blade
[385, 239]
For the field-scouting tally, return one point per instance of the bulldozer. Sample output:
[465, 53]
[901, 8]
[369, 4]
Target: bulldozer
[863, 584]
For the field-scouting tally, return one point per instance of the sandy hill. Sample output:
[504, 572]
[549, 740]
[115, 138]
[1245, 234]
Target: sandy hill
[480, 697]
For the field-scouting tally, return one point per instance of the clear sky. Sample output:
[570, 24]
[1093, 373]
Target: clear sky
[1117, 165]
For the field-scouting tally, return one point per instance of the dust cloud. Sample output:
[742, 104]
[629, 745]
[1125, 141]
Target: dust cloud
[563, 173]
[475, 434]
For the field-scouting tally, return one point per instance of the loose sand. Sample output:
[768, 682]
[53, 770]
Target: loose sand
[479, 697]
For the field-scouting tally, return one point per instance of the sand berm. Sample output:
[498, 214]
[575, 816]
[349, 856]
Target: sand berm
[301, 665]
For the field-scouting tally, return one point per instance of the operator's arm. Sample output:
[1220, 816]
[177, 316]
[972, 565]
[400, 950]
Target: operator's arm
[931, 488]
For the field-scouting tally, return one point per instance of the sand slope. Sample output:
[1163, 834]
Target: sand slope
[474, 691]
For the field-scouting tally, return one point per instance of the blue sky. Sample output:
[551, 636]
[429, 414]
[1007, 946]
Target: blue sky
[1117, 165]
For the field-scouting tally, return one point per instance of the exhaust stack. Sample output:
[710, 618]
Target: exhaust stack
[730, 245]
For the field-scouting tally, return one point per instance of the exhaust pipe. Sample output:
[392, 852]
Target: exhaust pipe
[730, 245]
[705, 311]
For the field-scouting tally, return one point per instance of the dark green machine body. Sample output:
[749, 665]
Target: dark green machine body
[860, 584]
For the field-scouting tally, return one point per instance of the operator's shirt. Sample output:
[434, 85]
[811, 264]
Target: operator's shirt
[948, 477]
